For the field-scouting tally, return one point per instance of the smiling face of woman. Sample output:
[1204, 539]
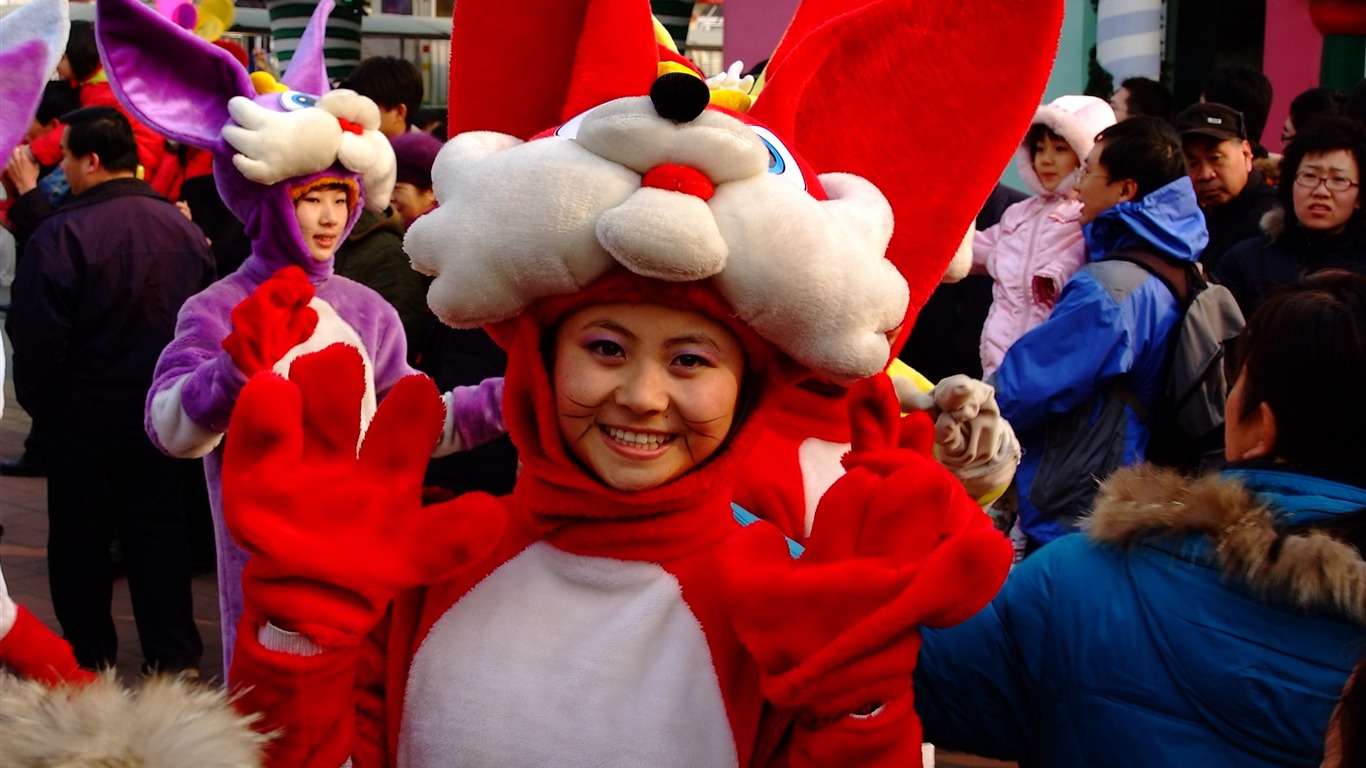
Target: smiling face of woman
[644, 393]
[322, 213]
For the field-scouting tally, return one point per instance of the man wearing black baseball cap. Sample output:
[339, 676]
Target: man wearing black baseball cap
[1232, 194]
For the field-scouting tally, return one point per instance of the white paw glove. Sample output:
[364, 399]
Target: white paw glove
[971, 438]
[731, 79]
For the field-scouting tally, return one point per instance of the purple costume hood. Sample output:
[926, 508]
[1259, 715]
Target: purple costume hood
[263, 144]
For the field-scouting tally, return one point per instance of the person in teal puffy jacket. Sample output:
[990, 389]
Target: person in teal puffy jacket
[1208, 622]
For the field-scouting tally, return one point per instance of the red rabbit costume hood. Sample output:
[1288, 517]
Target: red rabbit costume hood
[637, 200]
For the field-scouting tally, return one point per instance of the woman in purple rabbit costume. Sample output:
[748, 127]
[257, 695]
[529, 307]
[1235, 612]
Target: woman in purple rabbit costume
[273, 144]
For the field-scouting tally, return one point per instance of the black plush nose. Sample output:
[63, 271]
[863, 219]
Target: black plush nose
[680, 97]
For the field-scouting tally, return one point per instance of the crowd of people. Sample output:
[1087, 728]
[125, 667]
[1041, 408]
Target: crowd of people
[218, 313]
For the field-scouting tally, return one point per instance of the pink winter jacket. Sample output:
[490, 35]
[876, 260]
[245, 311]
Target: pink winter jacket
[1040, 236]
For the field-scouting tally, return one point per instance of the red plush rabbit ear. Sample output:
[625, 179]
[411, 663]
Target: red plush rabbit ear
[521, 69]
[926, 100]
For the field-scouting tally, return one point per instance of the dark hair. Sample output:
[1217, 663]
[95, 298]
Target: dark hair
[388, 81]
[105, 132]
[81, 52]
[1311, 333]
[1355, 107]
[1323, 134]
[1145, 149]
[1316, 102]
[1349, 719]
[1246, 90]
[59, 97]
[1037, 133]
[1148, 97]
[431, 116]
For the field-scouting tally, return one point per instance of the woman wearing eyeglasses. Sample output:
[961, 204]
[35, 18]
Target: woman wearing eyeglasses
[1319, 225]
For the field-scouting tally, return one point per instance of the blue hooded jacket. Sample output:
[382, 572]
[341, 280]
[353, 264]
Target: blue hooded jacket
[1112, 319]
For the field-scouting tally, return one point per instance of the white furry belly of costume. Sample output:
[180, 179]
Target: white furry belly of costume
[564, 660]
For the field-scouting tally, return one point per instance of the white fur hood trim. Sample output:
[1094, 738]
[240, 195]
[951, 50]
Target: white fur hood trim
[518, 222]
[164, 723]
[1312, 571]
[1077, 119]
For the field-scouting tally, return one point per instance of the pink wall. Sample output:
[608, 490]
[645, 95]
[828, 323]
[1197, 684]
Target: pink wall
[753, 28]
[1291, 59]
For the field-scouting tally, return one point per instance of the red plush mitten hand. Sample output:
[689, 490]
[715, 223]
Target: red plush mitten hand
[274, 319]
[34, 651]
[333, 535]
[896, 544]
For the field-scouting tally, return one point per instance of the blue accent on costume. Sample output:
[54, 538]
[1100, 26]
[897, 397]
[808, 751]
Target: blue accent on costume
[744, 517]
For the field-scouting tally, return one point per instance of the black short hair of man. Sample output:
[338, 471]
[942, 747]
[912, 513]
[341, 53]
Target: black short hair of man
[1323, 134]
[105, 132]
[1145, 149]
[1245, 89]
[81, 52]
[1314, 102]
[59, 97]
[1148, 97]
[388, 81]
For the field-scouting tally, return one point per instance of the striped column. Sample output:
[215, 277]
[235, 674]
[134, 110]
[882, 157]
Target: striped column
[1129, 38]
[288, 18]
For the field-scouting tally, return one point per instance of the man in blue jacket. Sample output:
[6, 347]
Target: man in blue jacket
[1057, 384]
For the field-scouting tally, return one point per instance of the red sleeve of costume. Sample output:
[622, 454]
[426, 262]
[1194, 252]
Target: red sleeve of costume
[308, 702]
[34, 651]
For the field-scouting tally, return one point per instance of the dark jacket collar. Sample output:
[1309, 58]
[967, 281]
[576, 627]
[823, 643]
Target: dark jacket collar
[120, 187]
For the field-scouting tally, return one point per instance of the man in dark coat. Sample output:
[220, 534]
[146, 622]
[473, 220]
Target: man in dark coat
[95, 301]
[1232, 194]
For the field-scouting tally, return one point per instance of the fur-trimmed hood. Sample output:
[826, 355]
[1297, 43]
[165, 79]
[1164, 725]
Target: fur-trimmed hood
[166, 722]
[1312, 571]
[1273, 223]
[1077, 119]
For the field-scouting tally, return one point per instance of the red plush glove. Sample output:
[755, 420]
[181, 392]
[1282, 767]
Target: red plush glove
[274, 319]
[896, 544]
[34, 651]
[334, 536]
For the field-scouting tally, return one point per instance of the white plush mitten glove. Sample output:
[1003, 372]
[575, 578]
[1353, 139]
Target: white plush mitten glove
[971, 438]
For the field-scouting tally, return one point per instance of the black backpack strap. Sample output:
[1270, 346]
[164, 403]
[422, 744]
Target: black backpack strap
[1183, 279]
[1119, 387]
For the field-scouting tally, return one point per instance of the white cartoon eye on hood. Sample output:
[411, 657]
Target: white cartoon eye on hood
[292, 100]
[781, 163]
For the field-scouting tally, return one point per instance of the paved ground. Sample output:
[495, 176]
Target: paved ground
[23, 554]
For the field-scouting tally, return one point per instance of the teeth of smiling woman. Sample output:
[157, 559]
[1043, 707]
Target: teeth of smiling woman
[637, 439]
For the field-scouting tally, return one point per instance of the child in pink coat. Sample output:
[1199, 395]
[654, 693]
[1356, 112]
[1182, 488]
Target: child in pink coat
[1037, 245]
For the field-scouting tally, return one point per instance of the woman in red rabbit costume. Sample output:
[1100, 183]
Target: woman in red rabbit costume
[656, 270]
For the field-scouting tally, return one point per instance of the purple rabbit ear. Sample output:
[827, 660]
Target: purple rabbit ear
[307, 70]
[32, 40]
[167, 77]
[26, 70]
